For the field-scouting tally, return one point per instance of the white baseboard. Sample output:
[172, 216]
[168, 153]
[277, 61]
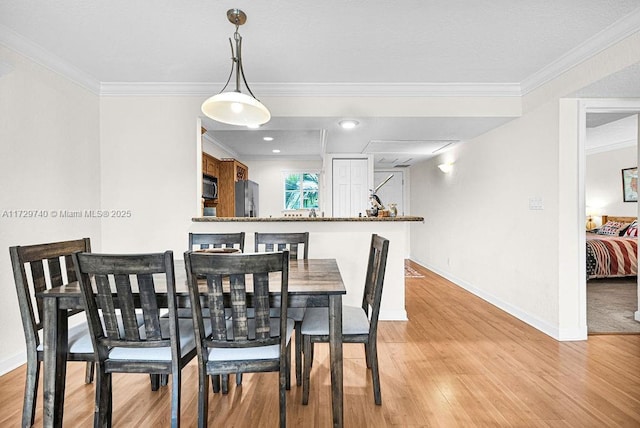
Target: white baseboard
[393, 315]
[12, 362]
[543, 326]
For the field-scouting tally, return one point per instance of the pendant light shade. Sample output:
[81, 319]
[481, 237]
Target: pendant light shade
[234, 107]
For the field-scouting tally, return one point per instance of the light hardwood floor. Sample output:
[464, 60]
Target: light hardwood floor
[458, 362]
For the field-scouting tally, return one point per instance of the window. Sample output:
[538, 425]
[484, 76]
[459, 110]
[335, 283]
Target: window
[301, 190]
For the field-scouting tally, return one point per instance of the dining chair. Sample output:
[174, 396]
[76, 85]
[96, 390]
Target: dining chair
[205, 241]
[216, 240]
[115, 290]
[37, 268]
[239, 343]
[292, 242]
[359, 324]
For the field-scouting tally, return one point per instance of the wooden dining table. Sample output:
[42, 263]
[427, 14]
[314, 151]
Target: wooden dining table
[312, 283]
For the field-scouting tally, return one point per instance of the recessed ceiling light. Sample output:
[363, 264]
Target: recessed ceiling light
[268, 138]
[275, 151]
[348, 124]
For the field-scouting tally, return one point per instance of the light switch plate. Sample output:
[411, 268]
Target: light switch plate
[536, 203]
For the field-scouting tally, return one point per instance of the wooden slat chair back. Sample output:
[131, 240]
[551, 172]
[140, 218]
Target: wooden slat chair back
[374, 280]
[283, 241]
[125, 286]
[292, 242]
[216, 240]
[359, 324]
[37, 268]
[239, 343]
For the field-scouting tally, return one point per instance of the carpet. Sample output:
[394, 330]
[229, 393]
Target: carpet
[611, 304]
[410, 272]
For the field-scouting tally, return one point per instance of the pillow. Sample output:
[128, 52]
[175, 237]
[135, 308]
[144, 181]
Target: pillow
[632, 230]
[612, 228]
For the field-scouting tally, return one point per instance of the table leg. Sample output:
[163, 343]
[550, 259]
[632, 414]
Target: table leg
[55, 362]
[335, 353]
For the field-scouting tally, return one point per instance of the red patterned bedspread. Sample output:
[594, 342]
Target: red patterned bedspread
[610, 256]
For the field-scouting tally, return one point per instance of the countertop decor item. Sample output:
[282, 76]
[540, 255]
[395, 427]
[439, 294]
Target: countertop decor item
[234, 107]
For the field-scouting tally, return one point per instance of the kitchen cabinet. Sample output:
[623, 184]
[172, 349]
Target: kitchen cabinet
[210, 165]
[230, 171]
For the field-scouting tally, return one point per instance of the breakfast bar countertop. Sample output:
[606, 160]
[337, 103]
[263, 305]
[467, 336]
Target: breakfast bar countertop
[303, 218]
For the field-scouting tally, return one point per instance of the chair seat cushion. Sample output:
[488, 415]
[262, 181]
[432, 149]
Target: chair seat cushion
[255, 353]
[79, 339]
[316, 321]
[187, 344]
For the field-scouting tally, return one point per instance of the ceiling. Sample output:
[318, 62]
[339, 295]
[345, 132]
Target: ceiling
[334, 46]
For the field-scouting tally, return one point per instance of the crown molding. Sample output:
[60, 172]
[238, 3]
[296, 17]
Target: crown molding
[611, 35]
[215, 142]
[38, 54]
[318, 89]
[612, 146]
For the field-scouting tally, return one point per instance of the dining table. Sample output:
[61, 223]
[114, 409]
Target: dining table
[312, 283]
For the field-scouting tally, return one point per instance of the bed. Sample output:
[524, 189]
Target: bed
[611, 256]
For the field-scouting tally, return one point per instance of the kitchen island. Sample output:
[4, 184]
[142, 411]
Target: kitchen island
[345, 239]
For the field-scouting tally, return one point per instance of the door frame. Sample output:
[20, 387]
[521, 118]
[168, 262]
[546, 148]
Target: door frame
[605, 105]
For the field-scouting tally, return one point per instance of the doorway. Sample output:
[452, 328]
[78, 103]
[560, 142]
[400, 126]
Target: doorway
[594, 315]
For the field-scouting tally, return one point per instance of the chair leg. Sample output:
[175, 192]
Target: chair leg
[88, 377]
[288, 368]
[110, 402]
[175, 397]
[225, 383]
[285, 372]
[30, 390]
[215, 383]
[299, 351]
[101, 417]
[239, 378]
[377, 394]
[306, 375]
[164, 379]
[203, 396]
[155, 381]
[367, 355]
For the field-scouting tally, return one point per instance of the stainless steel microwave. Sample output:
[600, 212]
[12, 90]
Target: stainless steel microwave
[209, 187]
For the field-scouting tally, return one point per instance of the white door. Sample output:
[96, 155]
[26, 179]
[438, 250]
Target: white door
[350, 192]
[359, 190]
[393, 191]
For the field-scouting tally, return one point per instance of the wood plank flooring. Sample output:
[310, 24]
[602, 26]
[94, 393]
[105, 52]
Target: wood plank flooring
[458, 362]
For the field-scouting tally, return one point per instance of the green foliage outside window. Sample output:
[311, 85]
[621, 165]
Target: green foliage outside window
[301, 191]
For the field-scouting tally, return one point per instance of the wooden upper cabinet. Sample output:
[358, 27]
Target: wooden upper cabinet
[210, 165]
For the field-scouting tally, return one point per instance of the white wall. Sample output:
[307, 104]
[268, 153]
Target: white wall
[524, 261]
[49, 161]
[603, 182]
[270, 174]
[149, 151]
[348, 243]
[479, 231]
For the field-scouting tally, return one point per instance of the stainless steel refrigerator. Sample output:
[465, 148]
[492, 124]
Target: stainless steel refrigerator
[246, 198]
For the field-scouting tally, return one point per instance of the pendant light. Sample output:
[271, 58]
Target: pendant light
[234, 107]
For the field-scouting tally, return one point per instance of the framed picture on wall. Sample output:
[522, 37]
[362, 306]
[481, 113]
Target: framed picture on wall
[630, 184]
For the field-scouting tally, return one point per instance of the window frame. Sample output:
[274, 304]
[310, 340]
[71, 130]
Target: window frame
[300, 189]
